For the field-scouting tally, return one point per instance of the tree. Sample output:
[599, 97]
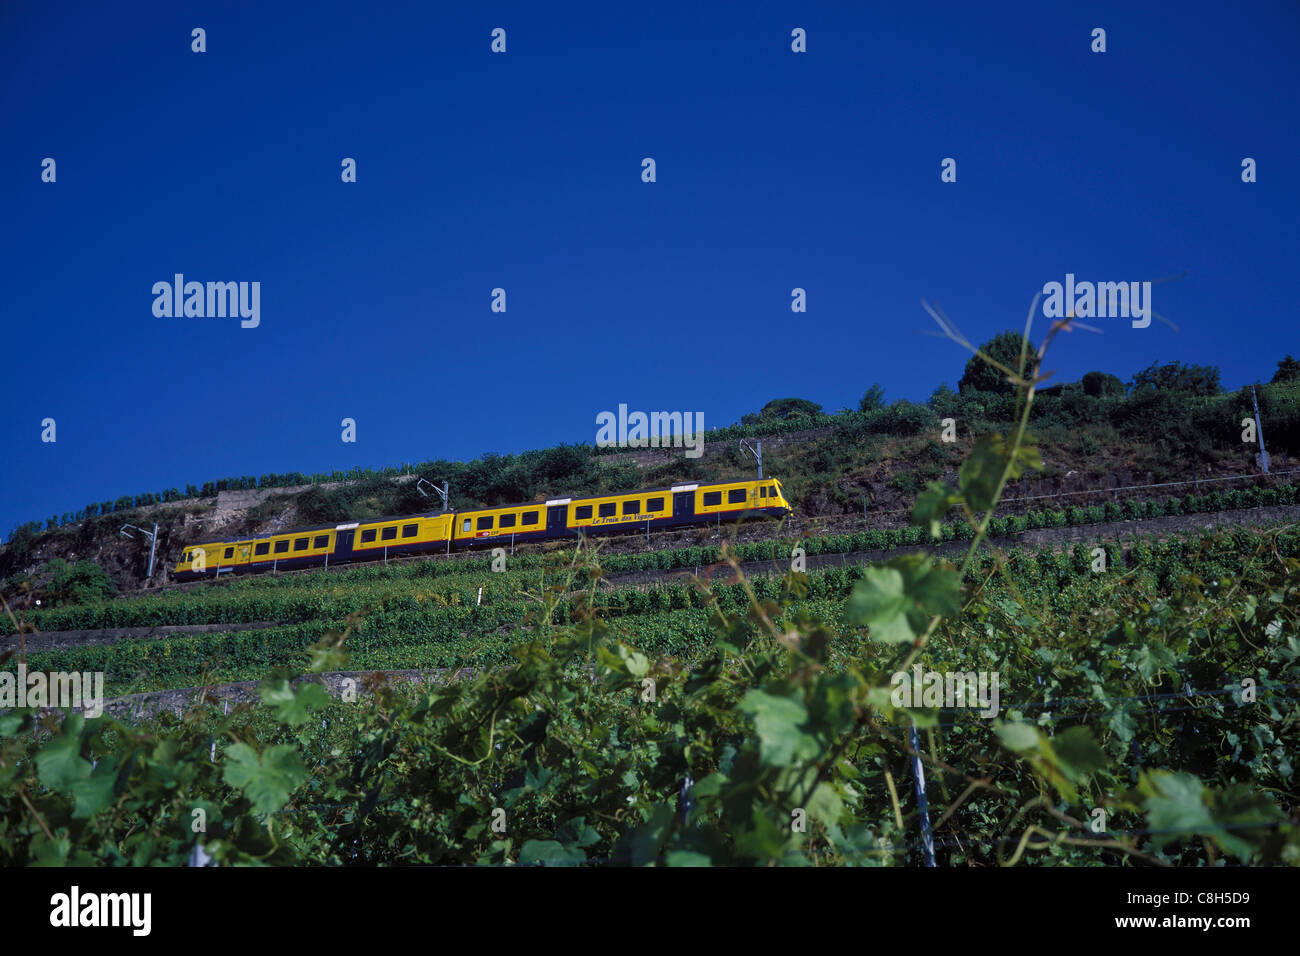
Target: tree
[1287, 370]
[788, 408]
[980, 376]
[872, 399]
[1102, 385]
[1177, 377]
[77, 583]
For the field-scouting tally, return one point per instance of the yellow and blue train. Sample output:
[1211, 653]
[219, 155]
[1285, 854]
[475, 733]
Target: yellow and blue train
[382, 538]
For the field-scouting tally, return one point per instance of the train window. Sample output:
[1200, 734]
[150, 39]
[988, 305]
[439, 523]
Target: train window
[262, 548]
[388, 534]
[282, 546]
[508, 521]
[654, 504]
[410, 530]
[230, 552]
[582, 512]
[631, 507]
[322, 541]
[737, 496]
[712, 498]
[464, 528]
[368, 535]
[485, 523]
[607, 510]
[301, 544]
[762, 492]
[530, 517]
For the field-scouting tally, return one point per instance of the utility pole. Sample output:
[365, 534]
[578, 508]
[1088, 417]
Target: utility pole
[1261, 459]
[153, 542]
[756, 450]
[444, 490]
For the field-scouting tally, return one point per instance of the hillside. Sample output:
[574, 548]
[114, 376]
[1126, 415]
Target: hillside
[718, 676]
[1093, 436]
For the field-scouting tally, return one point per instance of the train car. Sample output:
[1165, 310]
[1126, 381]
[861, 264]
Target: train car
[510, 524]
[649, 509]
[321, 546]
[382, 538]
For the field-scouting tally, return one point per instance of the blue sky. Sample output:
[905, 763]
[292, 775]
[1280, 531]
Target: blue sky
[522, 170]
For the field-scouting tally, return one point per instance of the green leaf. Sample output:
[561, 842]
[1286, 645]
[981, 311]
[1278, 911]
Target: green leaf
[991, 458]
[51, 852]
[687, 858]
[10, 724]
[638, 665]
[1077, 753]
[267, 781]
[59, 763]
[292, 708]
[711, 785]
[1123, 724]
[575, 832]
[982, 471]
[880, 601]
[1018, 737]
[825, 804]
[95, 793]
[550, 853]
[938, 592]
[933, 504]
[778, 722]
[1151, 658]
[1176, 805]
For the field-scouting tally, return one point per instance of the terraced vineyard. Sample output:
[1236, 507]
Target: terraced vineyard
[1143, 710]
[1102, 675]
[450, 614]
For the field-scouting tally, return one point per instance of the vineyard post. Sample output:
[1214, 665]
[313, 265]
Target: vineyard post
[923, 809]
[1261, 459]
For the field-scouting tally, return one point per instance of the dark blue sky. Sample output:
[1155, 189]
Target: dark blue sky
[522, 171]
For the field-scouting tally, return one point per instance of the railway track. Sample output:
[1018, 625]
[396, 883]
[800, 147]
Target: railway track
[1046, 537]
[631, 542]
[151, 703]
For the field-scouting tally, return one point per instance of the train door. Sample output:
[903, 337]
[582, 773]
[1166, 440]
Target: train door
[343, 544]
[683, 505]
[557, 520]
